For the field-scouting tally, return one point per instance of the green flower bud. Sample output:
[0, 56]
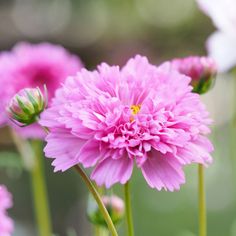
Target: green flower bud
[26, 106]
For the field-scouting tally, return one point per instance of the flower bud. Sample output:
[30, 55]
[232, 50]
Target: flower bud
[26, 106]
[202, 71]
[114, 206]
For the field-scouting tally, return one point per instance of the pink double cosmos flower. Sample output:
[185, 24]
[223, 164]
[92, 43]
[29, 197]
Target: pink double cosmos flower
[112, 119]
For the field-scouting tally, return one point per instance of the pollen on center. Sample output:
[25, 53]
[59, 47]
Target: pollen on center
[135, 110]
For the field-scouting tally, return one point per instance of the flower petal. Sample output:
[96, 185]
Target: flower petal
[65, 153]
[222, 48]
[163, 171]
[111, 171]
[90, 153]
[222, 13]
[197, 151]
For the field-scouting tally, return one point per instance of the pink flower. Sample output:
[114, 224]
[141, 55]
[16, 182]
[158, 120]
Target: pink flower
[30, 66]
[115, 203]
[222, 44]
[6, 224]
[202, 71]
[112, 118]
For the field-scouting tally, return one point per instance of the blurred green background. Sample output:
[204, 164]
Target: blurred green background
[112, 31]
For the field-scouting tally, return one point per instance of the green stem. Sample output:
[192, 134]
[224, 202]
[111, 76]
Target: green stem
[40, 193]
[32, 158]
[100, 230]
[128, 210]
[25, 150]
[202, 202]
[98, 199]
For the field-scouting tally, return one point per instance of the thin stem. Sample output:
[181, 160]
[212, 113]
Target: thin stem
[128, 210]
[98, 199]
[40, 193]
[33, 161]
[25, 151]
[98, 229]
[202, 202]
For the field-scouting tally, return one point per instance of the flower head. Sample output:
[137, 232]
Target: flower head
[30, 66]
[221, 45]
[26, 106]
[112, 118]
[6, 224]
[202, 71]
[114, 205]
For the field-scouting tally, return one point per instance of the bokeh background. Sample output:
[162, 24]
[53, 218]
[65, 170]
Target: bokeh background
[112, 31]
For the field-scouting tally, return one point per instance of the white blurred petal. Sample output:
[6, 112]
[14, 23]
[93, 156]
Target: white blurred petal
[222, 48]
[222, 13]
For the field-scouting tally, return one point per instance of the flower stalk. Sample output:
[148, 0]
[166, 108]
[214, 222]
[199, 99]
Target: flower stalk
[35, 168]
[93, 190]
[98, 199]
[128, 210]
[40, 193]
[202, 202]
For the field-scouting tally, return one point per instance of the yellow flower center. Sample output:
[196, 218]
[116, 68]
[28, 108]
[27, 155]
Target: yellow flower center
[135, 110]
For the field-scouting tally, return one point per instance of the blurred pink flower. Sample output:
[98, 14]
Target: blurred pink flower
[111, 118]
[222, 44]
[6, 224]
[202, 71]
[29, 66]
[115, 203]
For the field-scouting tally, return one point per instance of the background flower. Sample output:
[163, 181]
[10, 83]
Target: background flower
[201, 70]
[30, 66]
[6, 224]
[111, 118]
[221, 45]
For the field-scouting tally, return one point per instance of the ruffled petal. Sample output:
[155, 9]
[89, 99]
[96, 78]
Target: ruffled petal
[89, 154]
[163, 171]
[64, 151]
[111, 171]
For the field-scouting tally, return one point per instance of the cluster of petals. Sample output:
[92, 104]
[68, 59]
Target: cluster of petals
[29, 66]
[6, 223]
[113, 118]
[222, 44]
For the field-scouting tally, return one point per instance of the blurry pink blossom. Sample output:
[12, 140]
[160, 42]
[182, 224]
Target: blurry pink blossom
[221, 45]
[6, 223]
[30, 66]
[112, 118]
[114, 205]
